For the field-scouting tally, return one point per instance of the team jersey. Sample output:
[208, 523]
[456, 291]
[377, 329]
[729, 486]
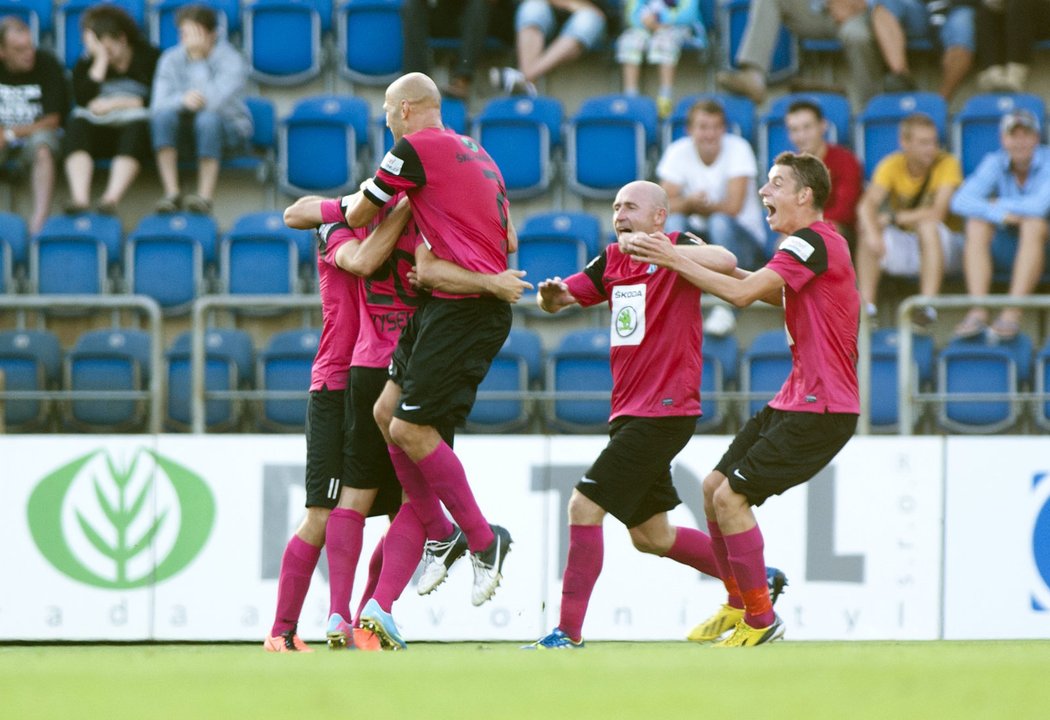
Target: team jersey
[655, 333]
[340, 299]
[458, 197]
[821, 313]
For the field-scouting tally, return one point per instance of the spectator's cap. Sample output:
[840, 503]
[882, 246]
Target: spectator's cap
[1018, 118]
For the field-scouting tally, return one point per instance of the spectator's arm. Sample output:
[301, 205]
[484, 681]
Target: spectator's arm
[868, 209]
[229, 77]
[733, 202]
[971, 199]
[166, 93]
[937, 210]
[1033, 204]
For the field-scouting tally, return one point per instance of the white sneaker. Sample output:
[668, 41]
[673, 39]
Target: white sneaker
[488, 566]
[438, 556]
[511, 81]
[720, 321]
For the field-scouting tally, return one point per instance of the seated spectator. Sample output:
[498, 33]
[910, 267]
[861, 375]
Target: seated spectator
[846, 20]
[807, 130]
[111, 87]
[198, 101]
[1005, 203]
[710, 179]
[580, 25]
[897, 21]
[1006, 32]
[903, 216]
[33, 102]
[656, 29]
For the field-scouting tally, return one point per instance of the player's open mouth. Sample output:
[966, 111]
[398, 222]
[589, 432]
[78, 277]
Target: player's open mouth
[770, 210]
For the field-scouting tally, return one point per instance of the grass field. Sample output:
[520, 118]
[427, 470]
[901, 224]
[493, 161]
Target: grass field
[889, 681]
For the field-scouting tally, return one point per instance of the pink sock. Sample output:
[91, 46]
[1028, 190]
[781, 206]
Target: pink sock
[375, 565]
[424, 500]
[402, 550]
[343, 537]
[444, 473]
[297, 565]
[693, 548]
[586, 551]
[749, 569]
[725, 571]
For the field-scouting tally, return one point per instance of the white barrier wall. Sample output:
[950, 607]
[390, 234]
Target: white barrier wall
[178, 537]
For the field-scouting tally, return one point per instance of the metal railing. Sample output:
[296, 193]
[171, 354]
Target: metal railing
[140, 303]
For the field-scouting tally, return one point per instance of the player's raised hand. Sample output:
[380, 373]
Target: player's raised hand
[553, 294]
[655, 248]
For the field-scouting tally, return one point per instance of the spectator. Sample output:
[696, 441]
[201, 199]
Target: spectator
[657, 29]
[905, 225]
[846, 20]
[1005, 203]
[111, 87]
[198, 99]
[1006, 32]
[466, 19]
[580, 24]
[709, 176]
[897, 21]
[807, 130]
[33, 102]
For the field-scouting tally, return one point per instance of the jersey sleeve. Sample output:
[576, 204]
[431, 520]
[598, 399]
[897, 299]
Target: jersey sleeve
[400, 170]
[329, 237]
[588, 286]
[800, 258]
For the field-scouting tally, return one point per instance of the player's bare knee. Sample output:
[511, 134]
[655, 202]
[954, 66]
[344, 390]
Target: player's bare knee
[646, 543]
[583, 510]
[727, 502]
[312, 528]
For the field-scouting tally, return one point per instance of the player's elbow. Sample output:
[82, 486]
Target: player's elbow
[294, 218]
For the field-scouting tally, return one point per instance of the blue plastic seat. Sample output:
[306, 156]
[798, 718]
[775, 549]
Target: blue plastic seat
[261, 255]
[282, 39]
[580, 363]
[15, 235]
[6, 281]
[516, 368]
[975, 128]
[772, 132]
[228, 365]
[71, 254]
[764, 367]
[877, 128]
[784, 60]
[718, 374]
[884, 392]
[974, 367]
[318, 145]
[1042, 385]
[369, 40]
[166, 254]
[609, 143]
[739, 110]
[30, 360]
[108, 360]
[522, 135]
[284, 365]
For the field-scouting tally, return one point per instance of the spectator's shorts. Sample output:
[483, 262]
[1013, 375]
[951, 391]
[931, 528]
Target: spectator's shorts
[586, 25]
[903, 256]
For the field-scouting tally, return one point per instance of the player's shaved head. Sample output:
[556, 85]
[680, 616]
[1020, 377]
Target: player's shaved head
[417, 89]
[650, 192]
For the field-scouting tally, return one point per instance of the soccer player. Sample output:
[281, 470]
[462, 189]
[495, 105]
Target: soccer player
[325, 436]
[815, 412]
[460, 204]
[655, 356]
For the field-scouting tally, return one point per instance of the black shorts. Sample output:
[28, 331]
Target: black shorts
[443, 355]
[325, 438]
[631, 479]
[778, 449]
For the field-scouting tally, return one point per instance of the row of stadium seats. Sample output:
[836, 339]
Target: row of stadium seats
[576, 371]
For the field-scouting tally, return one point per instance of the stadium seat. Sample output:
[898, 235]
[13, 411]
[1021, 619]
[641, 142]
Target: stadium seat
[1042, 386]
[284, 365]
[884, 391]
[876, 129]
[369, 40]
[609, 143]
[734, 19]
[764, 367]
[70, 255]
[282, 40]
[522, 135]
[318, 145]
[68, 42]
[108, 360]
[30, 360]
[772, 131]
[975, 367]
[261, 157]
[555, 244]
[578, 225]
[260, 256]
[975, 128]
[718, 374]
[15, 233]
[166, 254]
[164, 34]
[516, 368]
[740, 116]
[270, 223]
[6, 282]
[228, 365]
[580, 363]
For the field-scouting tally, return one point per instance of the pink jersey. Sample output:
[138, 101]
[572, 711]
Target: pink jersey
[340, 314]
[821, 313]
[458, 197]
[655, 333]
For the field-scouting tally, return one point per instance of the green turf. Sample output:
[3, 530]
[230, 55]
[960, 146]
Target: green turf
[608, 681]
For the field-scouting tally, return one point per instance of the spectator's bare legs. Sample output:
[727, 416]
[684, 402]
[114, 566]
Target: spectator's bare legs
[955, 64]
[168, 169]
[43, 187]
[977, 268]
[535, 61]
[79, 169]
[1028, 268]
[870, 249]
[931, 257]
[122, 173]
[632, 75]
[892, 43]
[207, 177]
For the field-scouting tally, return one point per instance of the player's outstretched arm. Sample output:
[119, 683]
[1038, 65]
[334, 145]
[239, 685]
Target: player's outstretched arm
[364, 257]
[437, 274]
[553, 295]
[304, 213]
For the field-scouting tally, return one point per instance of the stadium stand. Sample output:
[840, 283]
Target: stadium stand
[165, 258]
[228, 365]
[334, 127]
[975, 128]
[161, 19]
[284, 365]
[369, 40]
[282, 40]
[71, 254]
[772, 131]
[30, 360]
[975, 367]
[610, 141]
[740, 116]
[108, 360]
[718, 374]
[580, 363]
[69, 45]
[523, 136]
[516, 368]
[763, 368]
[876, 128]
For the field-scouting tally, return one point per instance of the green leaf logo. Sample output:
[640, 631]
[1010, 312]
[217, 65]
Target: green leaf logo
[109, 527]
[626, 321]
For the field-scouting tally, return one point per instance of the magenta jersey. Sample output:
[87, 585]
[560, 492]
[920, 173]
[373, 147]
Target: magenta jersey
[340, 311]
[458, 197]
[655, 333]
[821, 314]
